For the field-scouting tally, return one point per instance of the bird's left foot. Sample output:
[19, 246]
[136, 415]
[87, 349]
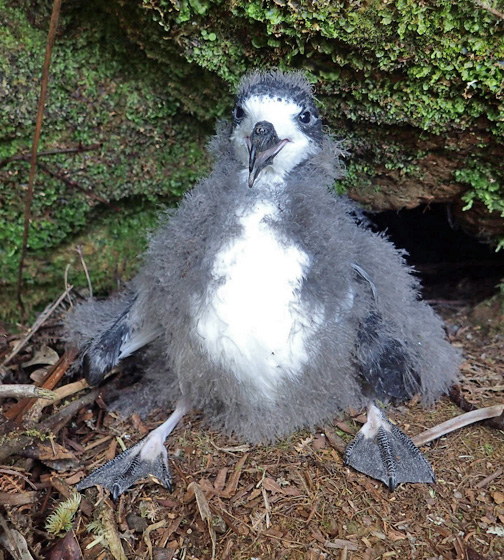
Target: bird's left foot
[382, 451]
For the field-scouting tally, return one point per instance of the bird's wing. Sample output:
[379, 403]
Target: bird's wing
[384, 361]
[123, 337]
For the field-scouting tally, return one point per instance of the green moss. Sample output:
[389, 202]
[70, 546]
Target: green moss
[145, 80]
[433, 65]
[112, 252]
[102, 92]
[485, 185]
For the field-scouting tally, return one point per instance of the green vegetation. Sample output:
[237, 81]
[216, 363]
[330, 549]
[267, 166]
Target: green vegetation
[103, 92]
[415, 88]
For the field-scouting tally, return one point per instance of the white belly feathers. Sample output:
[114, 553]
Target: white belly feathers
[252, 322]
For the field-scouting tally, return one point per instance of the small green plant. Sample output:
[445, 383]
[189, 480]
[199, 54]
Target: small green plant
[60, 521]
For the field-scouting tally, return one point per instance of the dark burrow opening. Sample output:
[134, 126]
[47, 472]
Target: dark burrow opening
[454, 267]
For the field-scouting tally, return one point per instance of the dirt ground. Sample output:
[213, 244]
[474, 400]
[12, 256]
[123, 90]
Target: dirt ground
[295, 500]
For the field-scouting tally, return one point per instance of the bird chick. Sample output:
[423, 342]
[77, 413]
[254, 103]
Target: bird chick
[268, 304]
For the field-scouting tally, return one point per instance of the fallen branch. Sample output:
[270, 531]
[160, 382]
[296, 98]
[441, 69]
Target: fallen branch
[489, 478]
[17, 442]
[50, 381]
[489, 9]
[83, 262]
[457, 397]
[68, 390]
[22, 391]
[74, 185]
[457, 423]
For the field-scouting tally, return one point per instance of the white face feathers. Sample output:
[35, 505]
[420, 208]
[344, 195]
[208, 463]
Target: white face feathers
[272, 134]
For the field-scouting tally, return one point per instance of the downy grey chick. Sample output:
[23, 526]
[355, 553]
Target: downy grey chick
[268, 304]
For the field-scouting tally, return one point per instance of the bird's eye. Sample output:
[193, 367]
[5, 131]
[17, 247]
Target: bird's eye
[305, 117]
[238, 113]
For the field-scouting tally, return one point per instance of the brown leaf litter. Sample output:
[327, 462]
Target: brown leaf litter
[294, 500]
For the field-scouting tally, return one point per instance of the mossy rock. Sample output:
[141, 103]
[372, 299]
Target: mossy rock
[416, 89]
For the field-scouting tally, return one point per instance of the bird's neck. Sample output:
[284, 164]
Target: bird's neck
[269, 181]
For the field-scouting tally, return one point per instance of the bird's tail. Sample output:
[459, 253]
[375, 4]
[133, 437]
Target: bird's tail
[106, 332]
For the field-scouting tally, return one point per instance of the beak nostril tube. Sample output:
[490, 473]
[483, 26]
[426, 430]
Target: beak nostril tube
[263, 144]
[263, 128]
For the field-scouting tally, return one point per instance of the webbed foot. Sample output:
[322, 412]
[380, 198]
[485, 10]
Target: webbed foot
[382, 451]
[146, 458]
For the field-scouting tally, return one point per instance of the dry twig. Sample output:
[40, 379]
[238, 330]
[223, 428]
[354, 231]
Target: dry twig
[42, 99]
[27, 157]
[26, 391]
[42, 318]
[83, 262]
[457, 423]
[488, 8]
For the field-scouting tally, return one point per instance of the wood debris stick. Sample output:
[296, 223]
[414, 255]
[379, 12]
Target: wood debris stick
[204, 510]
[489, 478]
[19, 499]
[83, 263]
[68, 390]
[267, 508]
[168, 532]
[98, 442]
[27, 156]
[457, 423]
[232, 485]
[42, 318]
[457, 397]
[148, 531]
[63, 416]
[232, 450]
[489, 8]
[72, 184]
[54, 423]
[312, 512]
[236, 524]
[26, 391]
[53, 376]
[106, 527]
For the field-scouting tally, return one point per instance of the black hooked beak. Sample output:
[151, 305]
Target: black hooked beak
[263, 145]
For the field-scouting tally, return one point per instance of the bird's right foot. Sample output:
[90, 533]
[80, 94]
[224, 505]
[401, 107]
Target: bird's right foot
[147, 458]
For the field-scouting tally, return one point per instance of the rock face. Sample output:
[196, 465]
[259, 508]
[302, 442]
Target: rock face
[415, 89]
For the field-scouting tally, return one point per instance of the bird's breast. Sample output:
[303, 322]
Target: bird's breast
[252, 322]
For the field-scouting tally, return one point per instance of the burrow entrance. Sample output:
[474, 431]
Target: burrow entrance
[454, 267]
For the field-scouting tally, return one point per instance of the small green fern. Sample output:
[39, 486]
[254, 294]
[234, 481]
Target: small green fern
[60, 521]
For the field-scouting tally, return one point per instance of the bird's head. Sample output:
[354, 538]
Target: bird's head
[276, 125]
